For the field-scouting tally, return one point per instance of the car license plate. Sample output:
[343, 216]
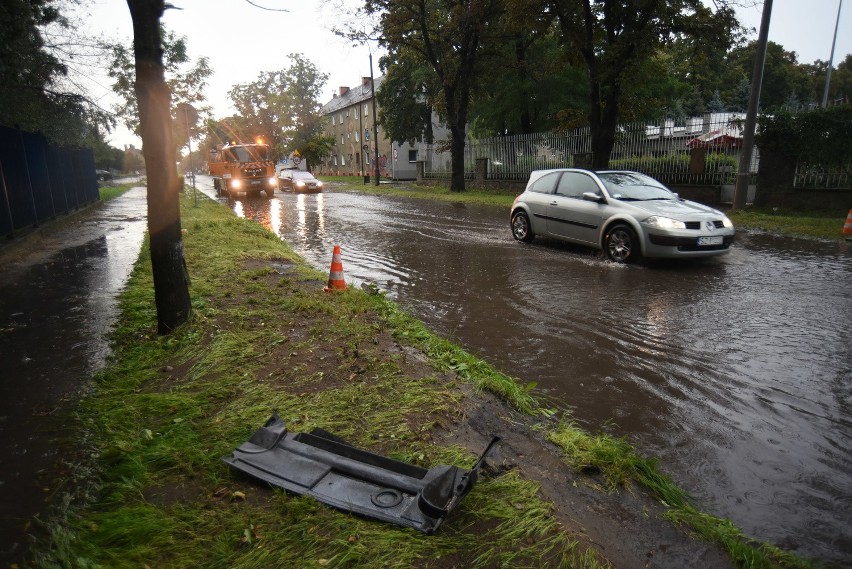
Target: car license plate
[704, 241]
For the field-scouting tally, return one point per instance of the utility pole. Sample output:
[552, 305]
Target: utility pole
[741, 190]
[375, 120]
[831, 58]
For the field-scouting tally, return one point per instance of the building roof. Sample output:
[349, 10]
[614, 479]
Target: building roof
[353, 96]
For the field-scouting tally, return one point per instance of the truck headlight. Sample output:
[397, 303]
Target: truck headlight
[273, 181]
[236, 184]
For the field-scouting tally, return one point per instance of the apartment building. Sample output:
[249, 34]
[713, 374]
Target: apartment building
[351, 124]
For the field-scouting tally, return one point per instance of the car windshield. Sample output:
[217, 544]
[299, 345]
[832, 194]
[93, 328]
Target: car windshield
[297, 175]
[249, 153]
[630, 186]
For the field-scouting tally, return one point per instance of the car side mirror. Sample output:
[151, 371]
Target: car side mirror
[592, 197]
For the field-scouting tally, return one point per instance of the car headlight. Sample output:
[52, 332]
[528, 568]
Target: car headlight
[664, 223]
[319, 184]
[727, 222]
[300, 183]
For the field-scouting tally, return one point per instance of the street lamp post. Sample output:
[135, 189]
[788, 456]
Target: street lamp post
[744, 173]
[831, 58]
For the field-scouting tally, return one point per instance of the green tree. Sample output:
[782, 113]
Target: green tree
[34, 93]
[533, 87]
[614, 38]
[186, 82]
[281, 107]
[449, 38]
[784, 79]
[716, 104]
[404, 109]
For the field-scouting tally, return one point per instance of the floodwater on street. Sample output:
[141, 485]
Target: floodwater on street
[57, 301]
[736, 371]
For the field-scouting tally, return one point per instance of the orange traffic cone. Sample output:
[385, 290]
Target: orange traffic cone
[847, 227]
[335, 275]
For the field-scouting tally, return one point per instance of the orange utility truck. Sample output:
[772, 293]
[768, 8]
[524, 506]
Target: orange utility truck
[243, 168]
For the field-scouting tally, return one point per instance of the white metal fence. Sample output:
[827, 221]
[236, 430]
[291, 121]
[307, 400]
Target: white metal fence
[703, 151]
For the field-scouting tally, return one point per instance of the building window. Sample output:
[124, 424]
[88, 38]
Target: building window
[366, 134]
[366, 110]
[333, 120]
[342, 160]
[341, 140]
[340, 118]
[356, 112]
[334, 159]
[367, 158]
[412, 155]
[356, 136]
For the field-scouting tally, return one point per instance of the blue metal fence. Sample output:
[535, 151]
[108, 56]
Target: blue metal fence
[39, 181]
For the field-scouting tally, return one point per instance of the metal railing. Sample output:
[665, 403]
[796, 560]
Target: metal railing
[664, 151]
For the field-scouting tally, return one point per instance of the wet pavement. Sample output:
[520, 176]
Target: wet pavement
[734, 371]
[57, 301]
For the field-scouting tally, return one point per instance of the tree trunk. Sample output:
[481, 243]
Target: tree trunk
[457, 157]
[603, 120]
[171, 282]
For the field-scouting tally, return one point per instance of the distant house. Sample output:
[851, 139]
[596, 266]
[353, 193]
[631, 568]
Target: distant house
[350, 123]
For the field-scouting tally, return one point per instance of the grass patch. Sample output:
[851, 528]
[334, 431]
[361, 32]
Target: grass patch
[815, 224]
[110, 192]
[503, 198]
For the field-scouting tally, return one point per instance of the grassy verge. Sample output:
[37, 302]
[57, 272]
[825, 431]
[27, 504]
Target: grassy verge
[264, 336]
[816, 224]
[811, 224]
[111, 192]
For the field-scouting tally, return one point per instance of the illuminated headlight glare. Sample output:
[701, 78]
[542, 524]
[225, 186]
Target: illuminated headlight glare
[319, 184]
[273, 181]
[665, 222]
[236, 184]
[727, 222]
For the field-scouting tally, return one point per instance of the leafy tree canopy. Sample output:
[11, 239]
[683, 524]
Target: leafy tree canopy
[281, 107]
[186, 82]
[36, 44]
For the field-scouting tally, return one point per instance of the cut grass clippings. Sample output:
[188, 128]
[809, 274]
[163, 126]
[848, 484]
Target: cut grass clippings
[264, 337]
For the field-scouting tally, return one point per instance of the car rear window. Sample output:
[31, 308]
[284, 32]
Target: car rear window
[545, 184]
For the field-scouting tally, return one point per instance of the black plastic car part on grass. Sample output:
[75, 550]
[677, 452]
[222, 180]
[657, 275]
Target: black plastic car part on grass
[321, 465]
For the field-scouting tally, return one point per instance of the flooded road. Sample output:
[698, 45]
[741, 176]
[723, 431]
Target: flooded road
[736, 372]
[57, 300]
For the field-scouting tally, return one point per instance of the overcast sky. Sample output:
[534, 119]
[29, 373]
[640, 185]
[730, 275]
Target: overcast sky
[242, 40]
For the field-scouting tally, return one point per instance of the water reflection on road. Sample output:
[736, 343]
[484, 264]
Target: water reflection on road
[734, 371]
[57, 302]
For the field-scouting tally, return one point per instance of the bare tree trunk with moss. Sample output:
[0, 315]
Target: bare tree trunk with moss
[171, 282]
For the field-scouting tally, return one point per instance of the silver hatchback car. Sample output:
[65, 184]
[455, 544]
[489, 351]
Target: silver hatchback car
[626, 214]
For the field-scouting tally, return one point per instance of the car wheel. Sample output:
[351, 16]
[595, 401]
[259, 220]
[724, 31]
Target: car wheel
[621, 244]
[521, 229]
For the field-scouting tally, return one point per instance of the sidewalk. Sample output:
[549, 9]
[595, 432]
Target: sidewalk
[57, 300]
